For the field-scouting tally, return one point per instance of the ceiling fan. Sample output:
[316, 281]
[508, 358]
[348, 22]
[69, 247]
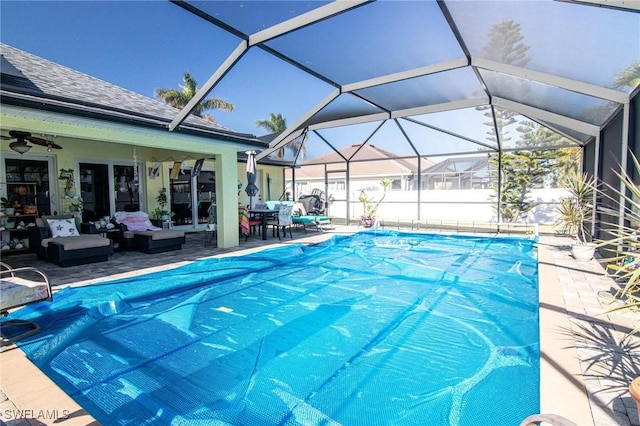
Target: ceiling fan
[20, 144]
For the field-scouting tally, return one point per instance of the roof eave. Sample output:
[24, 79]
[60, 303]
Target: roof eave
[70, 107]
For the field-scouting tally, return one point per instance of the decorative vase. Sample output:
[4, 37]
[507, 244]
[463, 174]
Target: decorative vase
[69, 193]
[9, 211]
[368, 222]
[583, 252]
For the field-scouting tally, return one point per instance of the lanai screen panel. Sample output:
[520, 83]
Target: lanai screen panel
[439, 88]
[253, 16]
[390, 139]
[431, 142]
[347, 136]
[472, 123]
[574, 136]
[545, 97]
[571, 40]
[373, 40]
[344, 106]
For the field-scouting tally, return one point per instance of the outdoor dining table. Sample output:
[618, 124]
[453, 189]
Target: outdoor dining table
[264, 216]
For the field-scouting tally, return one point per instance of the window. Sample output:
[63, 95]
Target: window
[337, 185]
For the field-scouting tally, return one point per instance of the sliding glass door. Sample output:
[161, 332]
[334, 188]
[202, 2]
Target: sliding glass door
[107, 188]
[94, 192]
[188, 191]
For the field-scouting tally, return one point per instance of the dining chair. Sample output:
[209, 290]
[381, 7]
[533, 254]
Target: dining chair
[284, 220]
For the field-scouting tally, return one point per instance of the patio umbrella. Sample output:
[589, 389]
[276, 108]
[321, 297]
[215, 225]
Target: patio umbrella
[251, 189]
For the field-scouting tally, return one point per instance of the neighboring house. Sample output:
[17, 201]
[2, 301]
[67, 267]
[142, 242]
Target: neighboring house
[119, 147]
[457, 173]
[368, 165]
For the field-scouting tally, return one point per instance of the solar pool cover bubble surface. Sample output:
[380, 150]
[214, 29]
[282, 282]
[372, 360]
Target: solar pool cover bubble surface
[378, 328]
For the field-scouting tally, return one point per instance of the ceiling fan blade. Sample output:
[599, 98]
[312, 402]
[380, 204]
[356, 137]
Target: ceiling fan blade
[18, 134]
[22, 138]
[37, 141]
[6, 138]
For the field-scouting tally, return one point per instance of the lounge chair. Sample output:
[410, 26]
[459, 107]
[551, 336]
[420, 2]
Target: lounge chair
[302, 218]
[140, 234]
[18, 288]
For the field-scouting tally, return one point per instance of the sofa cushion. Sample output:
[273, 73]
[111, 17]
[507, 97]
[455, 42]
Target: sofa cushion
[19, 291]
[63, 227]
[79, 242]
[162, 235]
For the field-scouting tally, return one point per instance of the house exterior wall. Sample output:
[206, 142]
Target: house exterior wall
[87, 140]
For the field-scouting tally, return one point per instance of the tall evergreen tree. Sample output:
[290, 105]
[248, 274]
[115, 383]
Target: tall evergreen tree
[532, 163]
[505, 44]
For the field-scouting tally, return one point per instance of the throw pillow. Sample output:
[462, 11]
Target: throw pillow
[45, 219]
[63, 227]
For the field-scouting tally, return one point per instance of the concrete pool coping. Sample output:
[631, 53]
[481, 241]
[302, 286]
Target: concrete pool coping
[570, 296]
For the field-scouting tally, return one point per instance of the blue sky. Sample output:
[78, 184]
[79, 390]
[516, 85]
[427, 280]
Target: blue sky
[146, 45]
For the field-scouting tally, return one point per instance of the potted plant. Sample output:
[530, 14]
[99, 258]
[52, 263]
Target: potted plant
[369, 209]
[575, 213]
[211, 218]
[160, 214]
[624, 241]
[162, 202]
[8, 204]
[77, 205]
[69, 182]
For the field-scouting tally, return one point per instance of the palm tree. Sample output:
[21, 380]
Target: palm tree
[278, 124]
[275, 124]
[180, 98]
[629, 77]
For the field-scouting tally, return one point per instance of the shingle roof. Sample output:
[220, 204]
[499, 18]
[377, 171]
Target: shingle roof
[24, 73]
[362, 164]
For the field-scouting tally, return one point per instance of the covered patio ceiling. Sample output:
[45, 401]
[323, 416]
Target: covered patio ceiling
[444, 68]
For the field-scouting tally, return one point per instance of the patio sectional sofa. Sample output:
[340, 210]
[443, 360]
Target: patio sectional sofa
[56, 239]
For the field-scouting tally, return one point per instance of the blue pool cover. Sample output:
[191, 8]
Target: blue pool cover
[381, 328]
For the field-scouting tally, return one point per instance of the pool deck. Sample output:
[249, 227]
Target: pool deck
[586, 365]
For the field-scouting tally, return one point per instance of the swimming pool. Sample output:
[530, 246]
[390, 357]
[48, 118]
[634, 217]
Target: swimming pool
[378, 328]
